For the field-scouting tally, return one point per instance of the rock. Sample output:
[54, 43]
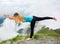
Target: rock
[48, 40]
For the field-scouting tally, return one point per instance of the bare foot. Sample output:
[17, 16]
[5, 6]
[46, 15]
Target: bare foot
[54, 19]
[29, 39]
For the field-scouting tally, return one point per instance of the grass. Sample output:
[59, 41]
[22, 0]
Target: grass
[36, 36]
[13, 39]
[3, 42]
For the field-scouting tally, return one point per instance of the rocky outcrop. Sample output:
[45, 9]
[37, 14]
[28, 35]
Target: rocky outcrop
[44, 40]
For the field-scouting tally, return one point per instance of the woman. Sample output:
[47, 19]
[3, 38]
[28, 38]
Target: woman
[19, 18]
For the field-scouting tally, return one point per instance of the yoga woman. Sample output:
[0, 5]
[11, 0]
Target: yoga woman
[20, 18]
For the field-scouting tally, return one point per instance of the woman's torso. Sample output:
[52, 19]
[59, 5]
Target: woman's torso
[23, 19]
[28, 18]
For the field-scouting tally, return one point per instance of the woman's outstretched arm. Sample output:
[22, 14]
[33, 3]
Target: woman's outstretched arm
[11, 17]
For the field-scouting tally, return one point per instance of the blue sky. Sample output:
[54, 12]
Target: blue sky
[33, 7]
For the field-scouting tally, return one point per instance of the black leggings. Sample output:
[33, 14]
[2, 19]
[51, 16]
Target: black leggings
[33, 23]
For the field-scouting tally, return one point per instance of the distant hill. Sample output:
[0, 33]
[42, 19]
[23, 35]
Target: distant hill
[1, 20]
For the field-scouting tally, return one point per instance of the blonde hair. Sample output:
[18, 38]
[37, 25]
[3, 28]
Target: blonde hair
[18, 18]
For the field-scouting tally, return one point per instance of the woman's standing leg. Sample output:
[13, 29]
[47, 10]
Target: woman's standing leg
[32, 28]
[32, 25]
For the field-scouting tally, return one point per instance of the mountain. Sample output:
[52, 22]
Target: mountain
[1, 20]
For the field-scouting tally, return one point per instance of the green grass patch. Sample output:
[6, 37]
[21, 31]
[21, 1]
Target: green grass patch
[13, 39]
[3, 42]
[36, 36]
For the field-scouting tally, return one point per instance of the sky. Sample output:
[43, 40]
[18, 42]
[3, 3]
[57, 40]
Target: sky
[40, 8]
